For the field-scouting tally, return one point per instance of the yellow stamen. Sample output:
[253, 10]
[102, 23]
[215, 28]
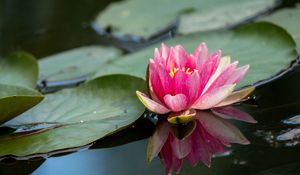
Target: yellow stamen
[188, 71]
[173, 71]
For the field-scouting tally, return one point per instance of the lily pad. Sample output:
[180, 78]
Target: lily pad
[15, 100]
[75, 117]
[78, 62]
[19, 69]
[19, 73]
[288, 18]
[144, 18]
[267, 48]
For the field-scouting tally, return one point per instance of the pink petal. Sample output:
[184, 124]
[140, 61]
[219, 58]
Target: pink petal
[236, 96]
[221, 129]
[237, 75]
[180, 85]
[214, 60]
[212, 98]
[157, 56]
[171, 62]
[164, 51]
[223, 64]
[165, 79]
[193, 84]
[152, 105]
[160, 56]
[176, 103]
[160, 79]
[187, 85]
[153, 94]
[155, 82]
[181, 148]
[190, 63]
[223, 77]
[229, 112]
[157, 140]
[179, 55]
[200, 55]
[149, 77]
[209, 68]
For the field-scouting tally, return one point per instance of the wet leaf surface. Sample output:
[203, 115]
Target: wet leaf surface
[288, 18]
[15, 100]
[139, 17]
[19, 73]
[19, 69]
[87, 113]
[75, 63]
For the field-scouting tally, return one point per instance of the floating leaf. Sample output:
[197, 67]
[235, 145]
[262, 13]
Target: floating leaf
[145, 18]
[267, 48]
[223, 14]
[15, 100]
[83, 61]
[288, 18]
[19, 69]
[19, 73]
[81, 115]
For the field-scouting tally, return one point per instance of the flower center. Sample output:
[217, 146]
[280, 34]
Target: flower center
[173, 71]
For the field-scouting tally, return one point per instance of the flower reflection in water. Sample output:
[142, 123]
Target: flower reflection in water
[209, 133]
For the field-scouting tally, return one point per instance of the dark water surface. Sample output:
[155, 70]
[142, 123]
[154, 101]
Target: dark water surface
[44, 27]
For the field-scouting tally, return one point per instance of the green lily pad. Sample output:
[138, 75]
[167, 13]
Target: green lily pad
[223, 14]
[145, 18]
[19, 73]
[76, 117]
[288, 18]
[83, 61]
[19, 69]
[15, 100]
[267, 48]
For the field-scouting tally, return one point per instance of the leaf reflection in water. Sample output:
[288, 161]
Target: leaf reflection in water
[295, 120]
[207, 135]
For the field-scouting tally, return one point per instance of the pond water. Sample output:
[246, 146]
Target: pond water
[50, 26]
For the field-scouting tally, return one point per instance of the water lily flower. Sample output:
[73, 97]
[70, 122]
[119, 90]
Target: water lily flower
[181, 83]
[208, 134]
